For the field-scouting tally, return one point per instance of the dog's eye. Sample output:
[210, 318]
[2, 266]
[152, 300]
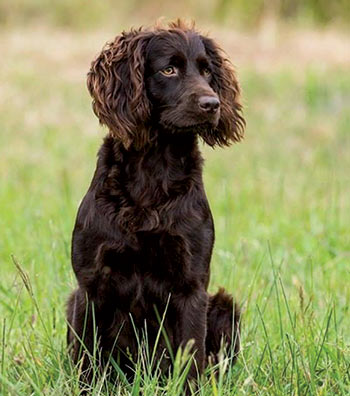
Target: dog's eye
[206, 72]
[169, 71]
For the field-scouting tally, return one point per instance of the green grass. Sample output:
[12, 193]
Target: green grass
[281, 204]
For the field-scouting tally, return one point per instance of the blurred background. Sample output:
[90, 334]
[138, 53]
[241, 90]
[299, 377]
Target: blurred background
[234, 13]
[280, 199]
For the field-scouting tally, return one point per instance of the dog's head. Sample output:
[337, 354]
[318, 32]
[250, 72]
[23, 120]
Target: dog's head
[166, 79]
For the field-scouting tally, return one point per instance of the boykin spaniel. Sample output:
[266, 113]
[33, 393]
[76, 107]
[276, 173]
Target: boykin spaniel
[144, 233]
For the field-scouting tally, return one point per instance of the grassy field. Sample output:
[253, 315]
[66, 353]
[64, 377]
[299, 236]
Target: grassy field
[280, 200]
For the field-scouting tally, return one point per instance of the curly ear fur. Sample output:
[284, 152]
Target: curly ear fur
[231, 124]
[116, 84]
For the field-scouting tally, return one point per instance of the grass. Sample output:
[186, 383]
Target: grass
[281, 206]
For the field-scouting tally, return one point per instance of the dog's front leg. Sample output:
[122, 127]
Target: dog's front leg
[192, 325]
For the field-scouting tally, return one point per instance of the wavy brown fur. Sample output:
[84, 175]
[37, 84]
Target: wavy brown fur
[116, 83]
[144, 232]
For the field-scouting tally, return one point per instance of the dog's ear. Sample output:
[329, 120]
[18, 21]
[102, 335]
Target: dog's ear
[231, 124]
[116, 84]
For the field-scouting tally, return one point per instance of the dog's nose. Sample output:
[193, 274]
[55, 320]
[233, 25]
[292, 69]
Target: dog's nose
[209, 104]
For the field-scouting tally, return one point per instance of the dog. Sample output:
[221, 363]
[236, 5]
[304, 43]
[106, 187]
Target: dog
[144, 234]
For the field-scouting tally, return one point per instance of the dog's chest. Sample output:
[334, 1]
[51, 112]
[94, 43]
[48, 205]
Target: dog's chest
[159, 182]
[162, 265]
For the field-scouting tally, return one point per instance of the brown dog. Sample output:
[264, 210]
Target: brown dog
[144, 234]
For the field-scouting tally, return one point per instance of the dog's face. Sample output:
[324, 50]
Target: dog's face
[179, 75]
[166, 79]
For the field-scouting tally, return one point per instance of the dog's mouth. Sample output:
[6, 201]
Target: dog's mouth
[188, 122]
[186, 119]
[191, 128]
[205, 130]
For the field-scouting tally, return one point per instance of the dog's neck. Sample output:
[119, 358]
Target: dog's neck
[168, 147]
[170, 166]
